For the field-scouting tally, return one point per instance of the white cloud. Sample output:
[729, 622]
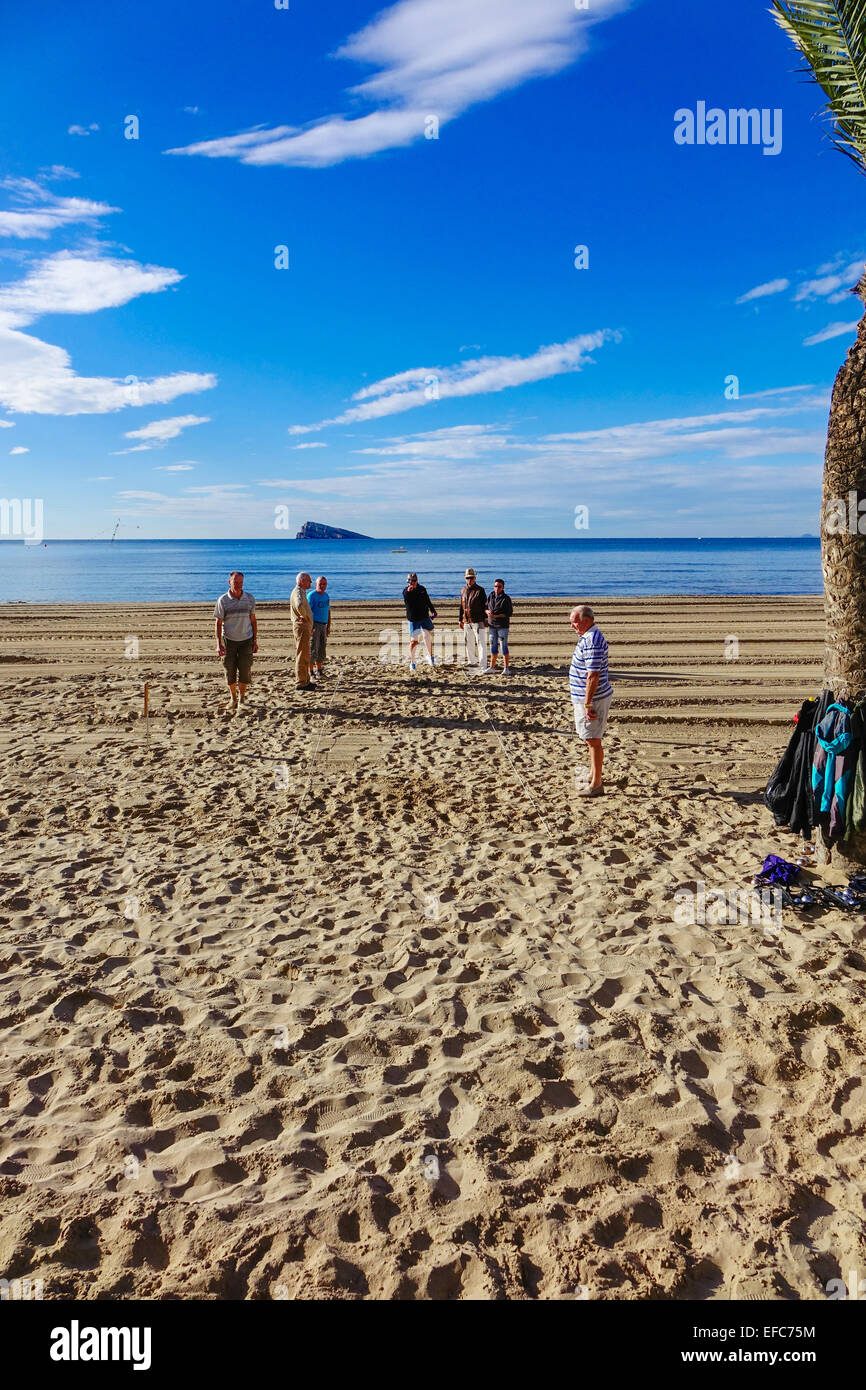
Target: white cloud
[102, 478]
[833, 330]
[842, 279]
[420, 386]
[82, 129]
[58, 171]
[309, 446]
[44, 212]
[213, 500]
[37, 377]
[19, 449]
[7, 424]
[174, 468]
[159, 432]
[716, 457]
[65, 283]
[434, 58]
[192, 110]
[762, 291]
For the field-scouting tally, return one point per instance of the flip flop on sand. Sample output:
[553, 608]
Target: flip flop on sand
[591, 791]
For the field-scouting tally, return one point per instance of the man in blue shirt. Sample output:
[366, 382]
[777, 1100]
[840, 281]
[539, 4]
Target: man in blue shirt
[591, 691]
[320, 602]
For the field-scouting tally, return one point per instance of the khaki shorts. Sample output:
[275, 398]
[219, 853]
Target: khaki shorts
[591, 728]
[238, 660]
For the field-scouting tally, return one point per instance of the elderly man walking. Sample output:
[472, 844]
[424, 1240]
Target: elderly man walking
[237, 637]
[591, 691]
[302, 629]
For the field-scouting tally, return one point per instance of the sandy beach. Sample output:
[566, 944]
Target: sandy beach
[353, 997]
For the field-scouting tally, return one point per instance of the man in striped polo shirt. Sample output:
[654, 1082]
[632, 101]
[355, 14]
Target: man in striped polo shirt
[591, 691]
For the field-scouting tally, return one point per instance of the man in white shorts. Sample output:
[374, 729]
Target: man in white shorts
[591, 691]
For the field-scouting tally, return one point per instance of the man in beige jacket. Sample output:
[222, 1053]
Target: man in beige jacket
[302, 628]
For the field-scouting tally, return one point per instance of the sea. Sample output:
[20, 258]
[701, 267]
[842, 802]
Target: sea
[170, 570]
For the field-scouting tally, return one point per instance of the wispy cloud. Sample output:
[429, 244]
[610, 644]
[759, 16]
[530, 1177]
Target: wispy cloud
[19, 450]
[159, 432]
[433, 58]
[41, 212]
[37, 377]
[835, 285]
[763, 291]
[730, 454]
[833, 281]
[833, 330]
[420, 386]
[218, 501]
[174, 468]
[83, 129]
[309, 446]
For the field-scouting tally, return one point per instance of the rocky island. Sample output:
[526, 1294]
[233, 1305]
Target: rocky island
[315, 531]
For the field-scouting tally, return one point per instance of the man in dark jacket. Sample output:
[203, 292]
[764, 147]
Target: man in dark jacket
[473, 615]
[499, 613]
[419, 614]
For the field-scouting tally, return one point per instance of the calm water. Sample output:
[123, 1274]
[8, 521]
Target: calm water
[149, 571]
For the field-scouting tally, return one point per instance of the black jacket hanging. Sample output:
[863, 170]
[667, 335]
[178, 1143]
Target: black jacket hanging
[788, 793]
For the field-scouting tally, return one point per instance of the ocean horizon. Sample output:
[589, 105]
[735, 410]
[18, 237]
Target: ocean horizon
[153, 571]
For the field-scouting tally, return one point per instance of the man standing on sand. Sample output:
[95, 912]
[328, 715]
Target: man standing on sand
[237, 637]
[419, 614]
[499, 613]
[302, 629]
[473, 614]
[320, 604]
[591, 691]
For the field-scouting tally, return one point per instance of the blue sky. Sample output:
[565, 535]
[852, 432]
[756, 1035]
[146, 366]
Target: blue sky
[431, 362]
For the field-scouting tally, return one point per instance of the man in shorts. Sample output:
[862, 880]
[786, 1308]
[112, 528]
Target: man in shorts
[419, 614]
[320, 603]
[237, 638]
[500, 610]
[591, 691]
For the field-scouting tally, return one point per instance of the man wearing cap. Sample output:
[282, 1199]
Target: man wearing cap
[237, 637]
[473, 615]
[419, 615]
[302, 630]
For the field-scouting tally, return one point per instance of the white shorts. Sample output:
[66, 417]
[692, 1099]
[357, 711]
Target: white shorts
[591, 728]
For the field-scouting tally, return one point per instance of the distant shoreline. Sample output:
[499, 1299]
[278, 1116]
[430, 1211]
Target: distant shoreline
[600, 600]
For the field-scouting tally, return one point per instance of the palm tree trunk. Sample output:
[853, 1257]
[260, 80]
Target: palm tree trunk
[843, 542]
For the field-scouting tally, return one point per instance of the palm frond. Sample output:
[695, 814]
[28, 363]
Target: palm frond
[831, 35]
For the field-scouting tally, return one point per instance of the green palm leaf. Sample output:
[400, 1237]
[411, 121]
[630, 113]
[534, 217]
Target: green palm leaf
[831, 35]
